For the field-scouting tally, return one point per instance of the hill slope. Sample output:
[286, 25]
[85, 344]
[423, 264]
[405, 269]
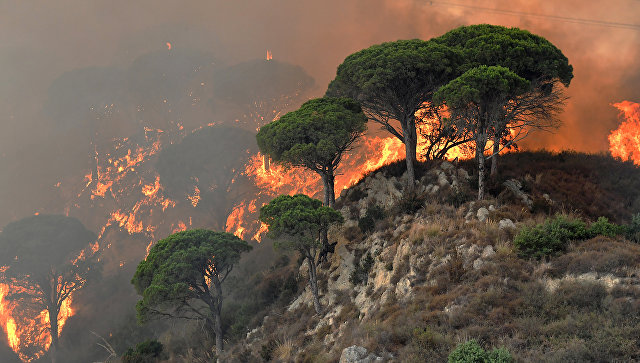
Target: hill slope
[436, 270]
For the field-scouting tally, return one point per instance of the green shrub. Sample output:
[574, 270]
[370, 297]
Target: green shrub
[602, 227]
[468, 352]
[368, 222]
[633, 229]
[499, 355]
[360, 273]
[472, 352]
[550, 237]
[148, 351]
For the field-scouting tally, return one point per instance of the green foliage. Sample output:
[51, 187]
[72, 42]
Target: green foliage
[528, 55]
[297, 221]
[468, 352]
[553, 236]
[481, 85]
[472, 352]
[315, 135]
[387, 77]
[602, 227]
[174, 273]
[499, 355]
[550, 237]
[633, 229]
[149, 351]
[373, 214]
[360, 273]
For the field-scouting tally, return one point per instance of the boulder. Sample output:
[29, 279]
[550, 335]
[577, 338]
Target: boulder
[482, 214]
[357, 354]
[488, 252]
[506, 223]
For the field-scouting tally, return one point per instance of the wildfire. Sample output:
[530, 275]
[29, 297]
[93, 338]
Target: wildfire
[235, 220]
[27, 337]
[168, 46]
[269, 55]
[625, 140]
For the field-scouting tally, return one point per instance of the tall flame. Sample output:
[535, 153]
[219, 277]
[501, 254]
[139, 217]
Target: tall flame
[27, 337]
[625, 140]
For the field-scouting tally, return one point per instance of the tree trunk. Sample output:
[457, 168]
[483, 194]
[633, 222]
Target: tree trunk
[410, 143]
[53, 325]
[217, 323]
[313, 282]
[494, 158]
[328, 180]
[481, 143]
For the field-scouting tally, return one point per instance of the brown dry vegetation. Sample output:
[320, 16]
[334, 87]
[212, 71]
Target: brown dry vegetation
[583, 305]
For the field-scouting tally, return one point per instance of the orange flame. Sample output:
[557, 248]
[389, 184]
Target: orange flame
[28, 338]
[625, 140]
[168, 46]
[269, 55]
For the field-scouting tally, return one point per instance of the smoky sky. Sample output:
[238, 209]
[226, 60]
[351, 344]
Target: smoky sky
[40, 41]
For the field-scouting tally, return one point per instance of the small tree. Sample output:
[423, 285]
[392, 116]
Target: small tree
[298, 223]
[47, 258]
[315, 137]
[183, 274]
[476, 100]
[393, 81]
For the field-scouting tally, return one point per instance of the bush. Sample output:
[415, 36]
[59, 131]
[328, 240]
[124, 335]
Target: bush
[410, 202]
[148, 351]
[368, 222]
[550, 237]
[602, 227]
[472, 352]
[633, 229]
[360, 273]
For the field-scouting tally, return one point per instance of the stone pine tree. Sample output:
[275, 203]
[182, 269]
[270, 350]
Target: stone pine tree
[315, 137]
[298, 223]
[531, 57]
[182, 277]
[393, 81]
[476, 99]
[47, 259]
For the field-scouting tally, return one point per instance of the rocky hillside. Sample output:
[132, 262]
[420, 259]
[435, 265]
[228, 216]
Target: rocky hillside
[413, 277]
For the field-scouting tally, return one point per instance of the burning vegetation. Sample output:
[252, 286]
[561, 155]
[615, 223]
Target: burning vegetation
[168, 145]
[625, 140]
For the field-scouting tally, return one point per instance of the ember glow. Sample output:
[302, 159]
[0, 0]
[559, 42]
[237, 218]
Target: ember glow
[625, 140]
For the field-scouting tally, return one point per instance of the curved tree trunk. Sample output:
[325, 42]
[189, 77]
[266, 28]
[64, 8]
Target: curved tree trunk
[217, 317]
[313, 282]
[410, 144]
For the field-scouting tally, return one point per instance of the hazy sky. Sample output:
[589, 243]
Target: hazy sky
[41, 40]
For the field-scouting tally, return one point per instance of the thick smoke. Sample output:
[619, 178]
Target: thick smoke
[63, 64]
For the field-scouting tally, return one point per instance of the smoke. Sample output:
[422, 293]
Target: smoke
[59, 59]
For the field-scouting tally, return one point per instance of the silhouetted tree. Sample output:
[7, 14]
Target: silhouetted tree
[183, 274]
[47, 258]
